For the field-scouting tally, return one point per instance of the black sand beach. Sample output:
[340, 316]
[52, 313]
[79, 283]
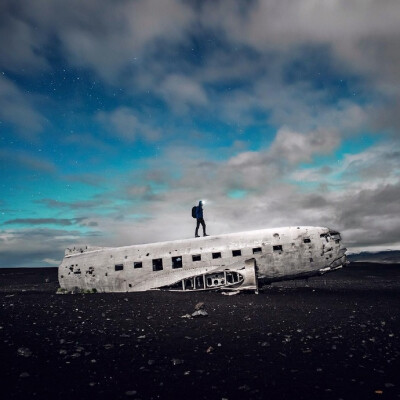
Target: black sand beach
[333, 337]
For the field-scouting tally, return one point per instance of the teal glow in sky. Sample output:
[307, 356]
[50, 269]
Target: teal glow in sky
[116, 117]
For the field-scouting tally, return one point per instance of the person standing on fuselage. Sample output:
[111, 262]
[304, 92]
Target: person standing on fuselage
[200, 219]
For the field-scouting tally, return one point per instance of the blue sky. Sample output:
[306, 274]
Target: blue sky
[117, 116]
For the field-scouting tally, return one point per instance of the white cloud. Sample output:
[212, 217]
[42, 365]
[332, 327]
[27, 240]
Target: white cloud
[296, 147]
[180, 92]
[110, 36]
[358, 31]
[20, 45]
[52, 262]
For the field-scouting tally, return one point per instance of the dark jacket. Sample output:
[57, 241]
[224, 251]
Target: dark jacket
[199, 211]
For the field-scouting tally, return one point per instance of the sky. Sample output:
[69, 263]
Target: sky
[116, 117]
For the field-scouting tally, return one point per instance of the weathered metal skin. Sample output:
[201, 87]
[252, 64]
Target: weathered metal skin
[237, 261]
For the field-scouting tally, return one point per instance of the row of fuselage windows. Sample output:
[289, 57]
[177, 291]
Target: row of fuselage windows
[177, 261]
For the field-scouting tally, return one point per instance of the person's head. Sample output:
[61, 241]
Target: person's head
[200, 203]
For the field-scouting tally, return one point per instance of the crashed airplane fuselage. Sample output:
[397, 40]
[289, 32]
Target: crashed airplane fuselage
[237, 261]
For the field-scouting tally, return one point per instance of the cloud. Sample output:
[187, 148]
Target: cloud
[26, 160]
[289, 81]
[52, 262]
[35, 247]
[107, 36]
[366, 214]
[312, 174]
[144, 192]
[143, 46]
[270, 200]
[16, 109]
[181, 92]
[357, 31]
[45, 221]
[20, 51]
[257, 170]
[296, 147]
[74, 205]
[377, 165]
[127, 125]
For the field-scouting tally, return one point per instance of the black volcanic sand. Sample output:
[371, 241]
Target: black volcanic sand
[333, 337]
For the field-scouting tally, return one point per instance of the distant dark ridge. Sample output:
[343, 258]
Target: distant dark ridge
[28, 269]
[387, 256]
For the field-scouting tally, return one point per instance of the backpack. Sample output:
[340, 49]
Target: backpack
[194, 212]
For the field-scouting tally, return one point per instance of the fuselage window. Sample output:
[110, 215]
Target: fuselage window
[307, 240]
[277, 247]
[157, 264]
[119, 267]
[236, 253]
[256, 250]
[196, 257]
[137, 264]
[176, 262]
[216, 255]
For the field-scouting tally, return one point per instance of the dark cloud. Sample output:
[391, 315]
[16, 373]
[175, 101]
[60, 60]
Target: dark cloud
[20, 50]
[16, 108]
[314, 201]
[379, 203]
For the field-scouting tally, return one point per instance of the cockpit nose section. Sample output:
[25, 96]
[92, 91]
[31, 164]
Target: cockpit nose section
[335, 236]
[332, 251]
[331, 237]
[332, 244]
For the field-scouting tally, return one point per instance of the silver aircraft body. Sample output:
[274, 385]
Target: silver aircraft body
[235, 261]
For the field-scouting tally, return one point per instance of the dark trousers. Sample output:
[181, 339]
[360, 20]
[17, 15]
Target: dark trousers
[203, 224]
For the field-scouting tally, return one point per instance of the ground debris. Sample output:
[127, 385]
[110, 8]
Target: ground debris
[200, 306]
[177, 361]
[24, 352]
[200, 313]
[210, 349]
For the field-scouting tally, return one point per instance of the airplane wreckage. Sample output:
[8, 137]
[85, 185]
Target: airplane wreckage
[236, 261]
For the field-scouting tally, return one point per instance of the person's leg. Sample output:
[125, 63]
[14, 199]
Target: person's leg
[204, 227]
[196, 233]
